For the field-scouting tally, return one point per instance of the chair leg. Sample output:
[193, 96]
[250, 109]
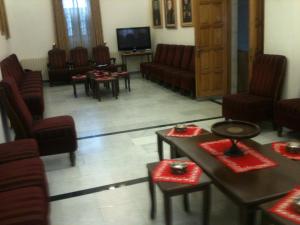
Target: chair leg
[186, 202]
[206, 205]
[279, 131]
[168, 210]
[73, 159]
[152, 196]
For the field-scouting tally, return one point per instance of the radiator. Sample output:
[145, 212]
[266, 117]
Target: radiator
[36, 64]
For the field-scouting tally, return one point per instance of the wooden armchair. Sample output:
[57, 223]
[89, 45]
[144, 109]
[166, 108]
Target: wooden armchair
[79, 58]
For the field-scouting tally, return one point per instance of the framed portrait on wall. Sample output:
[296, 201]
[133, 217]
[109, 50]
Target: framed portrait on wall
[186, 13]
[170, 13]
[157, 13]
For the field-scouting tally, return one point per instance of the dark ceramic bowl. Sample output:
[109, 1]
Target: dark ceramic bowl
[296, 204]
[178, 168]
[293, 147]
[180, 128]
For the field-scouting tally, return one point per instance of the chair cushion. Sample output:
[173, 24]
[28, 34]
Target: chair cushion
[247, 107]
[287, 113]
[25, 206]
[55, 135]
[23, 173]
[17, 150]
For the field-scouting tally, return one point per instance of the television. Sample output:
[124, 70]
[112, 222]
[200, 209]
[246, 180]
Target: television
[132, 39]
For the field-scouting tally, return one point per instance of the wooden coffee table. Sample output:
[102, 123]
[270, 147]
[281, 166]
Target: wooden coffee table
[248, 190]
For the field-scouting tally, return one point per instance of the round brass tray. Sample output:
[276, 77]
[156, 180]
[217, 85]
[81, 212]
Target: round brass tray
[235, 130]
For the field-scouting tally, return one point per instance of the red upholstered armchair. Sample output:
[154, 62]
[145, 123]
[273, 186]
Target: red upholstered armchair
[144, 67]
[54, 135]
[80, 60]
[102, 59]
[264, 91]
[58, 67]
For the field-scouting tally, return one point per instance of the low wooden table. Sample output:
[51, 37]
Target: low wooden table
[173, 189]
[162, 137]
[248, 190]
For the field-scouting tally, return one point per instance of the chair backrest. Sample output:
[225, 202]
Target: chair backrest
[178, 55]
[10, 67]
[16, 108]
[79, 56]
[57, 58]
[192, 61]
[170, 55]
[163, 55]
[157, 53]
[101, 55]
[268, 75]
[185, 61]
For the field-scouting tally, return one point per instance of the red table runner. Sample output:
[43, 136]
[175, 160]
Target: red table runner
[163, 173]
[251, 160]
[284, 207]
[191, 131]
[280, 148]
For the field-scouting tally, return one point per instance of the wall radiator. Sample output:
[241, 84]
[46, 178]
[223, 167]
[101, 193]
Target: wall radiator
[36, 64]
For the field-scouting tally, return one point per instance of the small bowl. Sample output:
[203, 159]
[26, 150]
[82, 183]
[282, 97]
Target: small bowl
[180, 128]
[293, 147]
[296, 204]
[178, 168]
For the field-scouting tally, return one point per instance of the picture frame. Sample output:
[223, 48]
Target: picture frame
[170, 8]
[186, 13]
[157, 15]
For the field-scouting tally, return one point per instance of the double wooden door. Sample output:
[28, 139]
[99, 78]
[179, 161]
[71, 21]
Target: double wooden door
[212, 21]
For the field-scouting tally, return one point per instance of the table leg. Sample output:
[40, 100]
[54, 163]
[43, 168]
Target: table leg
[152, 196]
[247, 216]
[129, 82]
[86, 86]
[265, 220]
[74, 88]
[186, 202]
[206, 205]
[160, 148]
[168, 209]
[98, 94]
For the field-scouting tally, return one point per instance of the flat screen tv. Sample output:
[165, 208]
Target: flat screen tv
[132, 39]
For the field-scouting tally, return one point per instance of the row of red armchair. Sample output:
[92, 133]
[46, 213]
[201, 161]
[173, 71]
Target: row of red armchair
[173, 66]
[54, 135]
[23, 184]
[61, 69]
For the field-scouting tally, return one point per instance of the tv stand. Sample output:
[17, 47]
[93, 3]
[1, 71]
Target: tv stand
[142, 53]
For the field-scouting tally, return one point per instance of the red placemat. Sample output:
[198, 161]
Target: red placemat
[191, 131]
[284, 207]
[251, 160]
[163, 173]
[280, 148]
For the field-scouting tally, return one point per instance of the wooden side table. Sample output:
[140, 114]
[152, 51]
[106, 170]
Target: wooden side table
[162, 137]
[80, 79]
[106, 81]
[173, 189]
[269, 218]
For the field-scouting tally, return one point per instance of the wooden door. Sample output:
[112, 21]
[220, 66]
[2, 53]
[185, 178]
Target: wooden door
[256, 31]
[212, 40]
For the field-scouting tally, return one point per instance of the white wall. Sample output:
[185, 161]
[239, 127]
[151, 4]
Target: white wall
[282, 35]
[4, 47]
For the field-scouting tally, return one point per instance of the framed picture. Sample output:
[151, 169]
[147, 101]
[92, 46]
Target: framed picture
[170, 13]
[157, 13]
[186, 13]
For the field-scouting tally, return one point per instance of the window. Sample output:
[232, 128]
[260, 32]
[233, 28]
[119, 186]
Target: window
[77, 16]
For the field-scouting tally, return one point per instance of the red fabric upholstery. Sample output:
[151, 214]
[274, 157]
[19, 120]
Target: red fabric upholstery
[144, 67]
[287, 114]
[11, 68]
[80, 59]
[54, 135]
[101, 56]
[25, 206]
[58, 68]
[17, 150]
[265, 89]
[23, 173]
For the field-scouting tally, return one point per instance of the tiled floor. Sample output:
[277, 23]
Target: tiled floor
[108, 159]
